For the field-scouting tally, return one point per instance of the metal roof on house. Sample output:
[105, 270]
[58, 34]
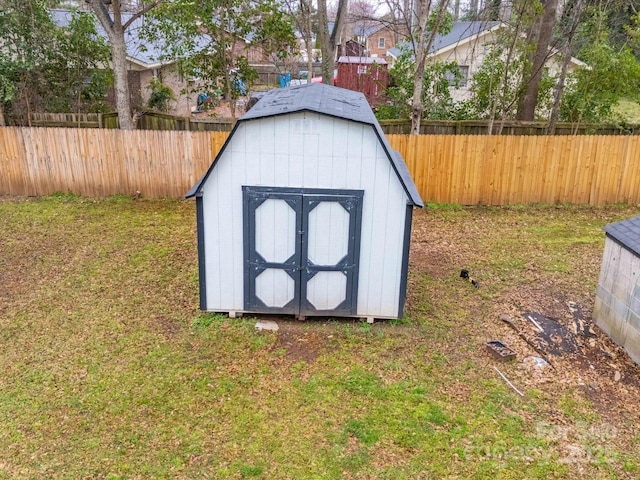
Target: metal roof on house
[626, 233]
[460, 31]
[325, 100]
[150, 55]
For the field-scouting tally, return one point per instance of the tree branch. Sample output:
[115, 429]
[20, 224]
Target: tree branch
[101, 11]
[140, 13]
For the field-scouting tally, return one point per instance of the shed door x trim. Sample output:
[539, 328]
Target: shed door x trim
[301, 250]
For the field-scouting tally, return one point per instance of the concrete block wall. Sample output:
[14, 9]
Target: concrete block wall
[617, 306]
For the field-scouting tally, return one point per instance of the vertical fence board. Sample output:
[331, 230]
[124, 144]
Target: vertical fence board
[629, 190]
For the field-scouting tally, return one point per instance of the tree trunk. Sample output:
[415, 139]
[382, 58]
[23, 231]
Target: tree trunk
[121, 83]
[417, 106]
[527, 106]
[305, 7]
[328, 42]
[120, 71]
[343, 41]
[493, 10]
[423, 11]
[115, 31]
[309, 60]
[3, 122]
[337, 34]
[325, 43]
[473, 9]
[557, 98]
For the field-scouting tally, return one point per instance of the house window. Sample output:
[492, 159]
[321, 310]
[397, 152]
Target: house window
[362, 69]
[381, 42]
[458, 78]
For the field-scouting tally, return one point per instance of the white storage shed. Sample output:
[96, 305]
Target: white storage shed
[306, 210]
[617, 306]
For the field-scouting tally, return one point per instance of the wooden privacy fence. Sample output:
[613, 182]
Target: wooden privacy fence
[146, 121]
[510, 127]
[507, 170]
[465, 169]
[163, 121]
[101, 162]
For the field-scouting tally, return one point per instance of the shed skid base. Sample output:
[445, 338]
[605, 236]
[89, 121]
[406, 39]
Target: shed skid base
[241, 313]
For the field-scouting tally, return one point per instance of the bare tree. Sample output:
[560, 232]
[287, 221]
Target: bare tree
[429, 20]
[111, 21]
[329, 41]
[566, 58]
[301, 11]
[540, 36]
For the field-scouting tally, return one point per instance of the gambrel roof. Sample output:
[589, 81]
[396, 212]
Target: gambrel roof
[325, 100]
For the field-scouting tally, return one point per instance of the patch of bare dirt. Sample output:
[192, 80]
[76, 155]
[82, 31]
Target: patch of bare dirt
[591, 362]
[301, 344]
[223, 110]
[169, 328]
[594, 369]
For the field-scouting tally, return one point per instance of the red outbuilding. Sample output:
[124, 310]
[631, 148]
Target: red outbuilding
[367, 75]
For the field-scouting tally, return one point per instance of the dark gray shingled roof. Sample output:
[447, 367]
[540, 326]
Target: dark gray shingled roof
[326, 100]
[626, 233]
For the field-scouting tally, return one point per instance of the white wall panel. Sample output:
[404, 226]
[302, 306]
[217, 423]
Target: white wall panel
[311, 167]
[308, 151]
[328, 239]
[377, 298]
[267, 168]
[275, 231]
[275, 288]
[327, 290]
[252, 136]
[268, 138]
[284, 137]
[282, 168]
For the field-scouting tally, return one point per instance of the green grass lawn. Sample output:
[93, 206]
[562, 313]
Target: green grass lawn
[109, 371]
[629, 110]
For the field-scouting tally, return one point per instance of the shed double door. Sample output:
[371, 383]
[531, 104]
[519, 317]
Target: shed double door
[301, 250]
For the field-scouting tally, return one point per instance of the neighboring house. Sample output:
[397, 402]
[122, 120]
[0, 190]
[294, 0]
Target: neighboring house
[374, 37]
[379, 37]
[144, 64]
[468, 43]
[351, 49]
